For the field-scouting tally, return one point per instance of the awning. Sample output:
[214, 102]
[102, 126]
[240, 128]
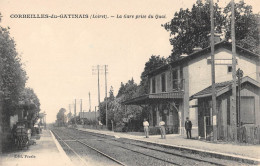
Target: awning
[151, 98]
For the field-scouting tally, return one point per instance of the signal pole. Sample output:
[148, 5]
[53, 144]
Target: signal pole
[89, 102]
[233, 99]
[214, 111]
[106, 93]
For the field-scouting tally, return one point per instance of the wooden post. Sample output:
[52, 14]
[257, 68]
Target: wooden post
[98, 89]
[239, 75]
[106, 93]
[75, 112]
[233, 110]
[89, 102]
[96, 116]
[80, 105]
[1, 108]
[214, 111]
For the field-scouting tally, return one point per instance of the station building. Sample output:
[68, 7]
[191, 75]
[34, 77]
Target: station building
[173, 86]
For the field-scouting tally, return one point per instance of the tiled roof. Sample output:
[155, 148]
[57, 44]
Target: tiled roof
[209, 89]
[222, 86]
[222, 44]
[151, 98]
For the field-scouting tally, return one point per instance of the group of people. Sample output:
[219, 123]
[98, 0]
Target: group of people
[188, 127]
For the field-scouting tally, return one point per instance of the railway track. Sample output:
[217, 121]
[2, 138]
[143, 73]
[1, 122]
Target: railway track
[142, 150]
[154, 149]
[78, 155]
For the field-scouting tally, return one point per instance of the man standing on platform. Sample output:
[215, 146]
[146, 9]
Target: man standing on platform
[188, 127]
[162, 129]
[146, 128]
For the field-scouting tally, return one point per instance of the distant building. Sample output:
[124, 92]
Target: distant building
[173, 85]
[87, 115]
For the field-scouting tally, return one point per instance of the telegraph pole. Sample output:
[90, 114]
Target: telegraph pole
[98, 89]
[80, 105]
[101, 69]
[89, 102]
[214, 111]
[75, 111]
[106, 93]
[94, 69]
[1, 106]
[233, 114]
[239, 74]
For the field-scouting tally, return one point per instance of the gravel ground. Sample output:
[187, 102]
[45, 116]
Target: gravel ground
[130, 152]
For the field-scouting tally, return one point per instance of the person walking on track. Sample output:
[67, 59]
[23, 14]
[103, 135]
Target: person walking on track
[146, 128]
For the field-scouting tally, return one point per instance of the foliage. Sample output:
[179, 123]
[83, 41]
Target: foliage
[246, 26]
[111, 93]
[12, 82]
[190, 28]
[61, 117]
[31, 104]
[153, 63]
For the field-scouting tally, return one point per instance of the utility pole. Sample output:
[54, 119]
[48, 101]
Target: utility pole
[214, 111]
[94, 70]
[80, 105]
[89, 102]
[75, 111]
[233, 109]
[106, 93]
[102, 69]
[1, 106]
[239, 74]
[96, 116]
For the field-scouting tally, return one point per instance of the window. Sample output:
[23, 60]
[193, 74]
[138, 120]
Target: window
[175, 79]
[153, 85]
[229, 69]
[208, 121]
[247, 110]
[163, 81]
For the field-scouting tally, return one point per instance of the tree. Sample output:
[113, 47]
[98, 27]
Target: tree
[111, 93]
[14, 96]
[12, 73]
[30, 104]
[153, 63]
[190, 28]
[61, 117]
[246, 26]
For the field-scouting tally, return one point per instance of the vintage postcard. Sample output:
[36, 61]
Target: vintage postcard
[172, 82]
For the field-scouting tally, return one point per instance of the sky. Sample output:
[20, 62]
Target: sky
[60, 53]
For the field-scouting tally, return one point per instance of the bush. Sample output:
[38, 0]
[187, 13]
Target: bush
[120, 127]
[154, 130]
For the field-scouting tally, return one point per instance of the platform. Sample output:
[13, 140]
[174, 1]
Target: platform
[46, 151]
[231, 151]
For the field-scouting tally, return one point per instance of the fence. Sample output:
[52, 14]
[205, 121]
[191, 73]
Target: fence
[249, 134]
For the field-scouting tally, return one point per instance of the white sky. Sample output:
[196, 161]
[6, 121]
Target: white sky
[59, 53]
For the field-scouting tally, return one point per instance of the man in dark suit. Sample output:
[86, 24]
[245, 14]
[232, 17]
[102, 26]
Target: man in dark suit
[188, 127]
